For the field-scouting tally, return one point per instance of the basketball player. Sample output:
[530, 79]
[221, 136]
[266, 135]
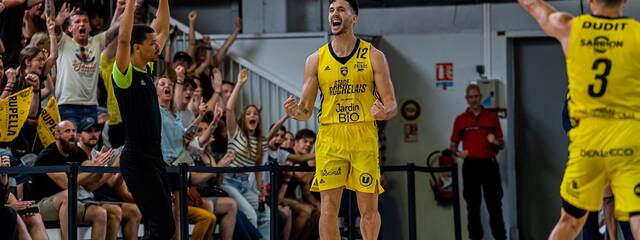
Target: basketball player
[603, 62]
[141, 163]
[356, 90]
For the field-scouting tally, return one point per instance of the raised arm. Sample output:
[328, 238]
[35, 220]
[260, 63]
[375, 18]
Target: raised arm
[53, 45]
[191, 49]
[112, 32]
[161, 23]
[207, 62]
[302, 111]
[123, 51]
[207, 134]
[120, 5]
[553, 22]
[222, 51]
[10, 4]
[230, 109]
[64, 13]
[178, 90]
[34, 82]
[169, 49]
[48, 87]
[386, 106]
[277, 126]
[216, 83]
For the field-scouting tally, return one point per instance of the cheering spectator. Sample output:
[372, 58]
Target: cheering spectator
[249, 145]
[77, 67]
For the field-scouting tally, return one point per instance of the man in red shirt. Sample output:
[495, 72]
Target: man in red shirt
[481, 135]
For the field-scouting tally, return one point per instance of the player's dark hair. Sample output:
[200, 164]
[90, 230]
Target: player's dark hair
[353, 4]
[139, 34]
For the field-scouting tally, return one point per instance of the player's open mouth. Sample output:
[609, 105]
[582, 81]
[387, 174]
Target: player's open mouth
[167, 91]
[82, 31]
[252, 122]
[336, 22]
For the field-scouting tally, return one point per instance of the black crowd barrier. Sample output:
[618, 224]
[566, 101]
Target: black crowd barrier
[72, 170]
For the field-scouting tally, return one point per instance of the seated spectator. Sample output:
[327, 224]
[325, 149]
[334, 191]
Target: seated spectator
[30, 225]
[204, 219]
[306, 208]
[223, 207]
[178, 143]
[8, 216]
[287, 143]
[50, 190]
[118, 211]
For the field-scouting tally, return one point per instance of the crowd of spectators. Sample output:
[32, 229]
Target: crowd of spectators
[66, 50]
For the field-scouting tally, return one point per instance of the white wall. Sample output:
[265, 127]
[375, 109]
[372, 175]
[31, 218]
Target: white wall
[412, 61]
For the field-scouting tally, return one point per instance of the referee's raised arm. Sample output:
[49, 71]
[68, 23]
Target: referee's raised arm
[123, 52]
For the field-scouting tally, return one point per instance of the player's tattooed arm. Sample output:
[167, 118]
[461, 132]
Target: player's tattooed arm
[386, 106]
[302, 110]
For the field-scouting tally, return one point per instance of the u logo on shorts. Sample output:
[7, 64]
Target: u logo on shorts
[637, 190]
[366, 179]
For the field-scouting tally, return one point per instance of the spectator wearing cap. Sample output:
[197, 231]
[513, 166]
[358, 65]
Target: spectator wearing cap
[480, 133]
[50, 190]
[77, 67]
[104, 191]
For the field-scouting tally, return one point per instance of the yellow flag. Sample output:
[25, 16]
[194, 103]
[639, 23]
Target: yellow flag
[106, 65]
[14, 111]
[47, 122]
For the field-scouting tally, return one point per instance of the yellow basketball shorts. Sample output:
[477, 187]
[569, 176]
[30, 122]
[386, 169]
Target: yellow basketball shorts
[347, 156]
[604, 152]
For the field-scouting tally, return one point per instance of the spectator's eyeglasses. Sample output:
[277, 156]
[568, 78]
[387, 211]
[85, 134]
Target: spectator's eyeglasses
[83, 54]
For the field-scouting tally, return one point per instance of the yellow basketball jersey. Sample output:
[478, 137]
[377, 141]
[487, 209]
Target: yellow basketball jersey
[347, 90]
[603, 65]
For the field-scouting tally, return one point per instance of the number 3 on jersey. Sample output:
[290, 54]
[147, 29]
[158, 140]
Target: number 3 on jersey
[602, 77]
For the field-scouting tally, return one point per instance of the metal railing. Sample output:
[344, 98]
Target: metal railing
[73, 169]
